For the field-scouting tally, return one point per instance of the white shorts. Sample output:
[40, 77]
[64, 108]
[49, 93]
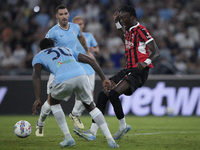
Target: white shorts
[50, 81]
[79, 85]
[91, 81]
[90, 77]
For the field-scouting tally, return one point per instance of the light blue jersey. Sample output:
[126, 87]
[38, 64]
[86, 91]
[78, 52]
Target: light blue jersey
[68, 38]
[91, 42]
[61, 62]
[65, 38]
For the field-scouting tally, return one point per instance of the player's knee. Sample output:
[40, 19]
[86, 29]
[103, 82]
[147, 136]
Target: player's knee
[56, 108]
[102, 96]
[102, 93]
[46, 108]
[102, 101]
[89, 107]
[113, 96]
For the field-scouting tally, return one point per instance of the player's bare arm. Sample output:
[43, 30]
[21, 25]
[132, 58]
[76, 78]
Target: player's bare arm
[152, 57]
[91, 55]
[37, 87]
[154, 50]
[83, 42]
[117, 23]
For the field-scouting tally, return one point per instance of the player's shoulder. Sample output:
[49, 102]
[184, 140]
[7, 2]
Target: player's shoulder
[37, 56]
[63, 49]
[88, 34]
[140, 26]
[39, 53]
[52, 31]
[55, 27]
[73, 25]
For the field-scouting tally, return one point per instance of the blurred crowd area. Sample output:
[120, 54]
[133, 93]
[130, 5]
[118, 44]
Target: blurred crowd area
[174, 24]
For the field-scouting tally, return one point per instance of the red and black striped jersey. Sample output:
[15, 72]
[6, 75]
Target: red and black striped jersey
[136, 49]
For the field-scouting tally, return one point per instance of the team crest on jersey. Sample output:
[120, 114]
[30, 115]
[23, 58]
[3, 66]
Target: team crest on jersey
[128, 44]
[74, 32]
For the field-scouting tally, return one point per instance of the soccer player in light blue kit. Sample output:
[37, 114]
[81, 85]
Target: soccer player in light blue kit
[69, 77]
[93, 48]
[64, 34]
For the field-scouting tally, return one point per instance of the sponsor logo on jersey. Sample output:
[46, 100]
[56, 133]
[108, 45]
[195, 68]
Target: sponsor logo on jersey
[128, 44]
[64, 62]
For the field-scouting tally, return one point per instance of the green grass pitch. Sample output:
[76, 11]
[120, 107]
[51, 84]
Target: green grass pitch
[147, 133]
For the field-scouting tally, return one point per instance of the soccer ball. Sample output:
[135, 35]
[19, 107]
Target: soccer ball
[22, 129]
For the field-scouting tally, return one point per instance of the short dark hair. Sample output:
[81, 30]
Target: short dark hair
[46, 43]
[61, 6]
[129, 10]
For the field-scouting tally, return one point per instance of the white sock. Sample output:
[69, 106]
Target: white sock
[60, 118]
[122, 123]
[94, 128]
[78, 108]
[98, 117]
[44, 113]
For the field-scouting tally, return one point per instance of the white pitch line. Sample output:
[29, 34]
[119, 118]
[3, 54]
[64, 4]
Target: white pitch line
[154, 133]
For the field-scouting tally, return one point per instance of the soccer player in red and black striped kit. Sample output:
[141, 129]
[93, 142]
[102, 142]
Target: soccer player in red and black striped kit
[138, 42]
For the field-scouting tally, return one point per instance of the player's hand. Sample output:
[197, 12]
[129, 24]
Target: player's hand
[91, 49]
[141, 65]
[91, 55]
[116, 16]
[106, 85]
[36, 105]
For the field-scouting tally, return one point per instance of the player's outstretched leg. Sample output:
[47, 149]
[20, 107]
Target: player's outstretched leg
[123, 127]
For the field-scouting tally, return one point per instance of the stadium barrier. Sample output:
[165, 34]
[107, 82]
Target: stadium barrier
[161, 95]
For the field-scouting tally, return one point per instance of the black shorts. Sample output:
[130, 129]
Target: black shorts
[135, 77]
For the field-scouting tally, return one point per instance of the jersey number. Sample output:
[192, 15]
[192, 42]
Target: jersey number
[57, 53]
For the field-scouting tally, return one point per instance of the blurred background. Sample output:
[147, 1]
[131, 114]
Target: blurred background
[174, 24]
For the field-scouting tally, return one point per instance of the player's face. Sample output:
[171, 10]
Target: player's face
[126, 20]
[62, 16]
[80, 22]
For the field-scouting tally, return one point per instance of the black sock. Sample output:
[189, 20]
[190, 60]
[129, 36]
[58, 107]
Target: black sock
[101, 102]
[115, 101]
